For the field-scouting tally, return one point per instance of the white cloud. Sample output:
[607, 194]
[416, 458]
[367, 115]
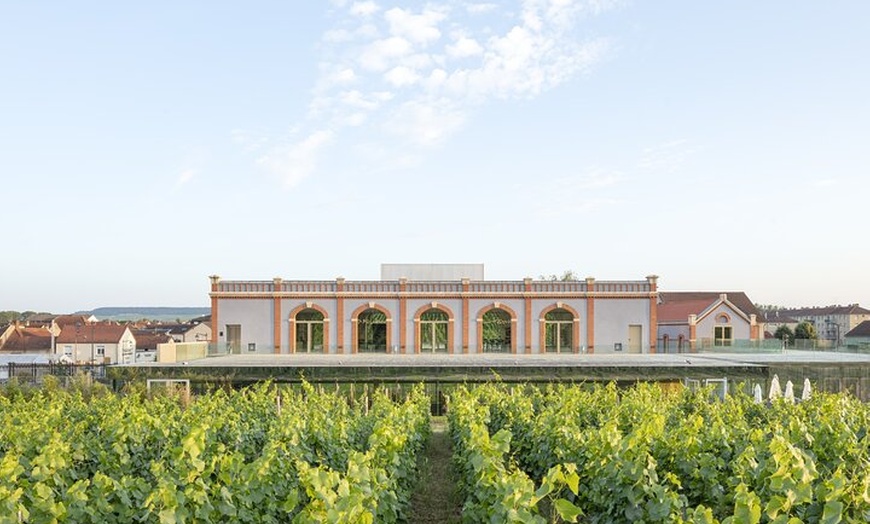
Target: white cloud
[480, 8]
[420, 29]
[392, 72]
[425, 123]
[295, 162]
[666, 157]
[364, 8]
[402, 76]
[464, 47]
[378, 55]
[186, 176]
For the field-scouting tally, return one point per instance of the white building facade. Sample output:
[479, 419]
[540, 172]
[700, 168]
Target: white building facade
[405, 316]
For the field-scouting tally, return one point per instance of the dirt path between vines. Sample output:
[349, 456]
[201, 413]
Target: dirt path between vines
[436, 499]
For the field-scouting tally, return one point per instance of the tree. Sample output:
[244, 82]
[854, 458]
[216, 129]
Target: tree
[806, 330]
[784, 333]
[568, 276]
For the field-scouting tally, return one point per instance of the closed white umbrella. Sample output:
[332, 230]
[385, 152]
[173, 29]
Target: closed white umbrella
[808, 390]
[789, 391]
[759, 398]
[775, 389]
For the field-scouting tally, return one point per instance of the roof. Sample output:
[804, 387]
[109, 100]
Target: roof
[22, 339]
[88, 333]
[737, 298]
[680, 311]
[851, 309]
[861, 330]
[70, 320]
[146, 339]
[41, 318]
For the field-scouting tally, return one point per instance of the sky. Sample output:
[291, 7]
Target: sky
[723, 146]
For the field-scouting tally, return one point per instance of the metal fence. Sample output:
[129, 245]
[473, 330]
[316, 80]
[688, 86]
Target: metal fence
[34, 373]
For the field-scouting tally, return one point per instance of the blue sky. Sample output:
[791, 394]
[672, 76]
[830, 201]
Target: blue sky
[722, 146]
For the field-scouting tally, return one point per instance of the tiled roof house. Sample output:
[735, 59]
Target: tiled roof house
[689, 321]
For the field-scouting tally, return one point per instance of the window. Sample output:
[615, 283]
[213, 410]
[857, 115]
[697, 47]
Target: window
[309, 331]
[722, 336]
[252, 346]
[372, 331]
[101, 351]
[496, 331]
[433, 331]
[559, 329]
[68, 351]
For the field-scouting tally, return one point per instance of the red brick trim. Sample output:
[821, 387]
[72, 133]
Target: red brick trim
[292, 318]
[451, 323]
[354, 325]
[339, 314]
[575, 328]
[466, 285]
[653, 323]
[403, 314]
[214, 321]
[276, 324]
[507, 310]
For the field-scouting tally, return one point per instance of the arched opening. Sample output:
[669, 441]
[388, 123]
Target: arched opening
[559, 331]
[496, 329]
[372, 331]
[666, 342]
[434, 329]
[309, 331]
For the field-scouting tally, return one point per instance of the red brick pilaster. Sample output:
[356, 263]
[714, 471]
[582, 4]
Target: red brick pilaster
[653, 312]
[466, 284]
[276, 318]
[215, 280]
[339, 313]
[590, 315]
[403, 313]
[527, 325]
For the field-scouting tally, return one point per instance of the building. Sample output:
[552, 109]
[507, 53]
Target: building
[688, 321]
[858, 336]
[831, 322]
[21, 339]
[422, 312]
[99, 342]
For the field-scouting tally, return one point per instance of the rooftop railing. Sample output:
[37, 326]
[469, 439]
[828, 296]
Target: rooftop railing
[379, 286]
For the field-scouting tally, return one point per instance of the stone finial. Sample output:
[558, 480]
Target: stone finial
[214, 279]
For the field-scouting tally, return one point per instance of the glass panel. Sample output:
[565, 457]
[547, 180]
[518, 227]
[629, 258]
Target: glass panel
[559, 314]
[317, 336]
[372, 331]
[301, 336]
[433, 315]
[309, 314]
[440, 335]
[566, 333]
[550, 336]
[496, 330]
[426, 337]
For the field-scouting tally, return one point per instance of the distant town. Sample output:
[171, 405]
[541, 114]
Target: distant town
[430, 308]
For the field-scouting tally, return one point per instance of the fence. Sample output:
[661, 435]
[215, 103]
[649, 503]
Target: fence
[34, 373]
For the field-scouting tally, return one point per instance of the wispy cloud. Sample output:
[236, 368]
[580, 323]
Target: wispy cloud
[413, 76]
[574, 195]
[666, 157]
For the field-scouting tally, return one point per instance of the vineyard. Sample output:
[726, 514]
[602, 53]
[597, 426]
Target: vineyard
[584, 453]
[258, 455]
[603, 455]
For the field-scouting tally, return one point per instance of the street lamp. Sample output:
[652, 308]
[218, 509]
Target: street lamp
[835, 324]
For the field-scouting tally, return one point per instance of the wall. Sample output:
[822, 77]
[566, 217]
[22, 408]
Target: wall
[256, 318]
[612, 318]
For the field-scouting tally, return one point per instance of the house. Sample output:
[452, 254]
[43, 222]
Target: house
[433, 308]
[831, 322]
[147, 343]
[775, 319]
[858, 336]
[97, 342]
[18, 338]
[688, 321]
[190, 332]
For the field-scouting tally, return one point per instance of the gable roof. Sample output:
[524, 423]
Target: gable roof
[861, 330]
[851, 309]
[23, 338]
[91, 333]
[71, 320]
[696, 302]
[146, 339]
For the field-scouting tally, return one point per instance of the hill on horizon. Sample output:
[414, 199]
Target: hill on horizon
[162, 313]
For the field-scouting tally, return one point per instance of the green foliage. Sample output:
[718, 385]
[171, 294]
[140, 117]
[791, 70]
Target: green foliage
[83, 455]
[784, 333]
[646, 455]
[805, 330]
